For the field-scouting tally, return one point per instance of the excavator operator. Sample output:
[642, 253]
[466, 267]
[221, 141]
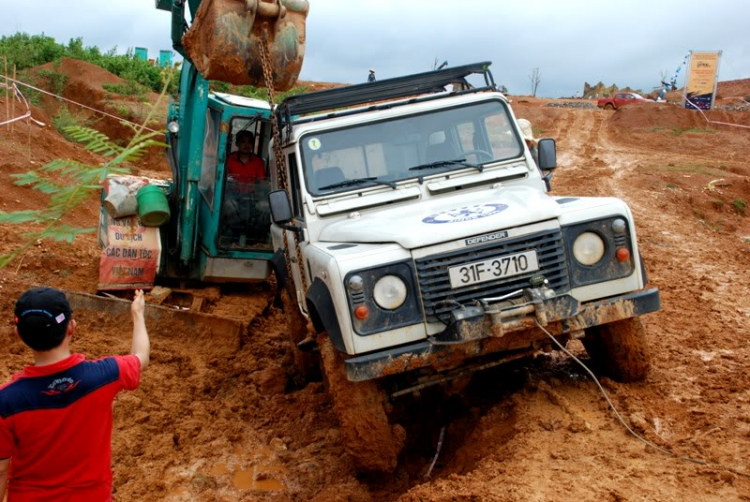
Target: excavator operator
[245, 203]
[245, 168]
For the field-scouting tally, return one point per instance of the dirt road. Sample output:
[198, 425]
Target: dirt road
[217, 417]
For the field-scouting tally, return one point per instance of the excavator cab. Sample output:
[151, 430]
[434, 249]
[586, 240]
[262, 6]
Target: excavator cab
[221, 232]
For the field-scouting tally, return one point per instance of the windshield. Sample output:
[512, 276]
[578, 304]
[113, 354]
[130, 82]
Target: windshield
[385, 152]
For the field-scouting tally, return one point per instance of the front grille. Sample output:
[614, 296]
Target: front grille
[438, 297]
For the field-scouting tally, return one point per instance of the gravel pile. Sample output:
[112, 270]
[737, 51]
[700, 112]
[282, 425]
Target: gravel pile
[572, 104]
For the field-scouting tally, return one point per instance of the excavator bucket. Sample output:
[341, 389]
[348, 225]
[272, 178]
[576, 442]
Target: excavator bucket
[225, 39]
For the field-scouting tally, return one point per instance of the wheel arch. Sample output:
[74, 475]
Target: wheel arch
[322, 313]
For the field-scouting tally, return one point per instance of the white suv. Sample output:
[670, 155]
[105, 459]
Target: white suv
[430, 246]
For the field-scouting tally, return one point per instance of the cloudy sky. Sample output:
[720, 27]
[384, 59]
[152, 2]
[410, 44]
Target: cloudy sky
[570, 42]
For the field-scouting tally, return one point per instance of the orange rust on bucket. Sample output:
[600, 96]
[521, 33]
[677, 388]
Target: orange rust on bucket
[224, 40]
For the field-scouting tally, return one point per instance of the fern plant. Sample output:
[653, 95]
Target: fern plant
[69, 183]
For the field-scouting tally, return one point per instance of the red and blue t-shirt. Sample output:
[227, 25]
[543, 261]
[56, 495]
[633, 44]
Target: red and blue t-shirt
[56, 427]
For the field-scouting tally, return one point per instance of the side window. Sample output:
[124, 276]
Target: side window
[207, 182]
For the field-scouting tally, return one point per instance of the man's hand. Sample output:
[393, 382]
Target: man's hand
[141, 346]
[139, 303]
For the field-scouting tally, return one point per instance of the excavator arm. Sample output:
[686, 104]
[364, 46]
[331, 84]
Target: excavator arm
[223, 38]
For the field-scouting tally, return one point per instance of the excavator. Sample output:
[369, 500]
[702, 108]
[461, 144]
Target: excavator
[218, 230]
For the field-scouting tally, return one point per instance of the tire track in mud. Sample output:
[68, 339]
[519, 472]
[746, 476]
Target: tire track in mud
[702, 296]
[667, 409]
[577, 146]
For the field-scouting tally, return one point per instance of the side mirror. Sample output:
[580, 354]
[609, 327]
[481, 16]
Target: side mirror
[547, 154]
[281, 210]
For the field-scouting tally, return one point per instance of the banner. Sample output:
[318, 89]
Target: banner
[131, 253]
[700, 89]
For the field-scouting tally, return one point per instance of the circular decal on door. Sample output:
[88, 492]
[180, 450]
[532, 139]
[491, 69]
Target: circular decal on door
[466, 213]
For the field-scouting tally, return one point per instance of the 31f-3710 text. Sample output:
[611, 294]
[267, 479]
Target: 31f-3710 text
[493, 268]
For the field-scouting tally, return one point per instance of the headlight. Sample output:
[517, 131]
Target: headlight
[588, 248]
[389, 292]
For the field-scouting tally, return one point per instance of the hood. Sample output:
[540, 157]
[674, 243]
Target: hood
[445, 219]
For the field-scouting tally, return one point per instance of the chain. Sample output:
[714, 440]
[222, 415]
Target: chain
[280, 160]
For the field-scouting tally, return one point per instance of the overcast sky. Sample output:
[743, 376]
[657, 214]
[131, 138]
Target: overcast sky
[570, 41]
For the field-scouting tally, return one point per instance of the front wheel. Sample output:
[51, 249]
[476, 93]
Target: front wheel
[306, 365]
[609, 106]
[369, 438]
[620, 349]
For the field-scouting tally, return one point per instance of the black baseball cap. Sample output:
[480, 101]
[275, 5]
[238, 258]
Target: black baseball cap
[42, 317]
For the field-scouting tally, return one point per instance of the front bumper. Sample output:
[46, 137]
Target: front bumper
[506, 325]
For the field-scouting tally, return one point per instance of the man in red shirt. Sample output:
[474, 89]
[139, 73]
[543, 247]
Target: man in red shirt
[56, 416]
[243, 166]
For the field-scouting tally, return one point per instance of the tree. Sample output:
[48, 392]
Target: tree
[535, 78]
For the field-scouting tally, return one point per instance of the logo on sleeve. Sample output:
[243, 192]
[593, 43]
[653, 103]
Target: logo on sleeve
[60, 386]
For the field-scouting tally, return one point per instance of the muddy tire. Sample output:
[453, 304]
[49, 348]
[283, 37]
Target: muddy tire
[619, 349]
[368, 436]
[306, 364]
[609, 106]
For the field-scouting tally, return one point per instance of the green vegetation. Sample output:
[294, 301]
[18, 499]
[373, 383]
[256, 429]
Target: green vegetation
[123, 111]
[65, 119]
[671, 186]
[27, 51]
[740, 206]
[250, 91]
[54, 79]
[128, 88]
[70, 184]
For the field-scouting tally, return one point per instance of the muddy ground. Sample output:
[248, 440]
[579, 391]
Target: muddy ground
[218, 419]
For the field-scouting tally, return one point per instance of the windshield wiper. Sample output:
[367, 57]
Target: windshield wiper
[443, 163]
[358, 181]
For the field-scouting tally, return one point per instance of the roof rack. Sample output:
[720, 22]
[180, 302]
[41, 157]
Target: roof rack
[381, 90]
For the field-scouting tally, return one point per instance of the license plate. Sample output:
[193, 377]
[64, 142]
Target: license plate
[493, 268]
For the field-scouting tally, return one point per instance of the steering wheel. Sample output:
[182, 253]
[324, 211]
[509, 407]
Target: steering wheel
[479, 154]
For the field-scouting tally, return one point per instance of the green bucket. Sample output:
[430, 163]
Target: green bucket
[153, 208]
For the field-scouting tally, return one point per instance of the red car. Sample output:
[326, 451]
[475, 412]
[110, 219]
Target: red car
[621, 99]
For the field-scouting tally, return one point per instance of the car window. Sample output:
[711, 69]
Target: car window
[405, 147]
